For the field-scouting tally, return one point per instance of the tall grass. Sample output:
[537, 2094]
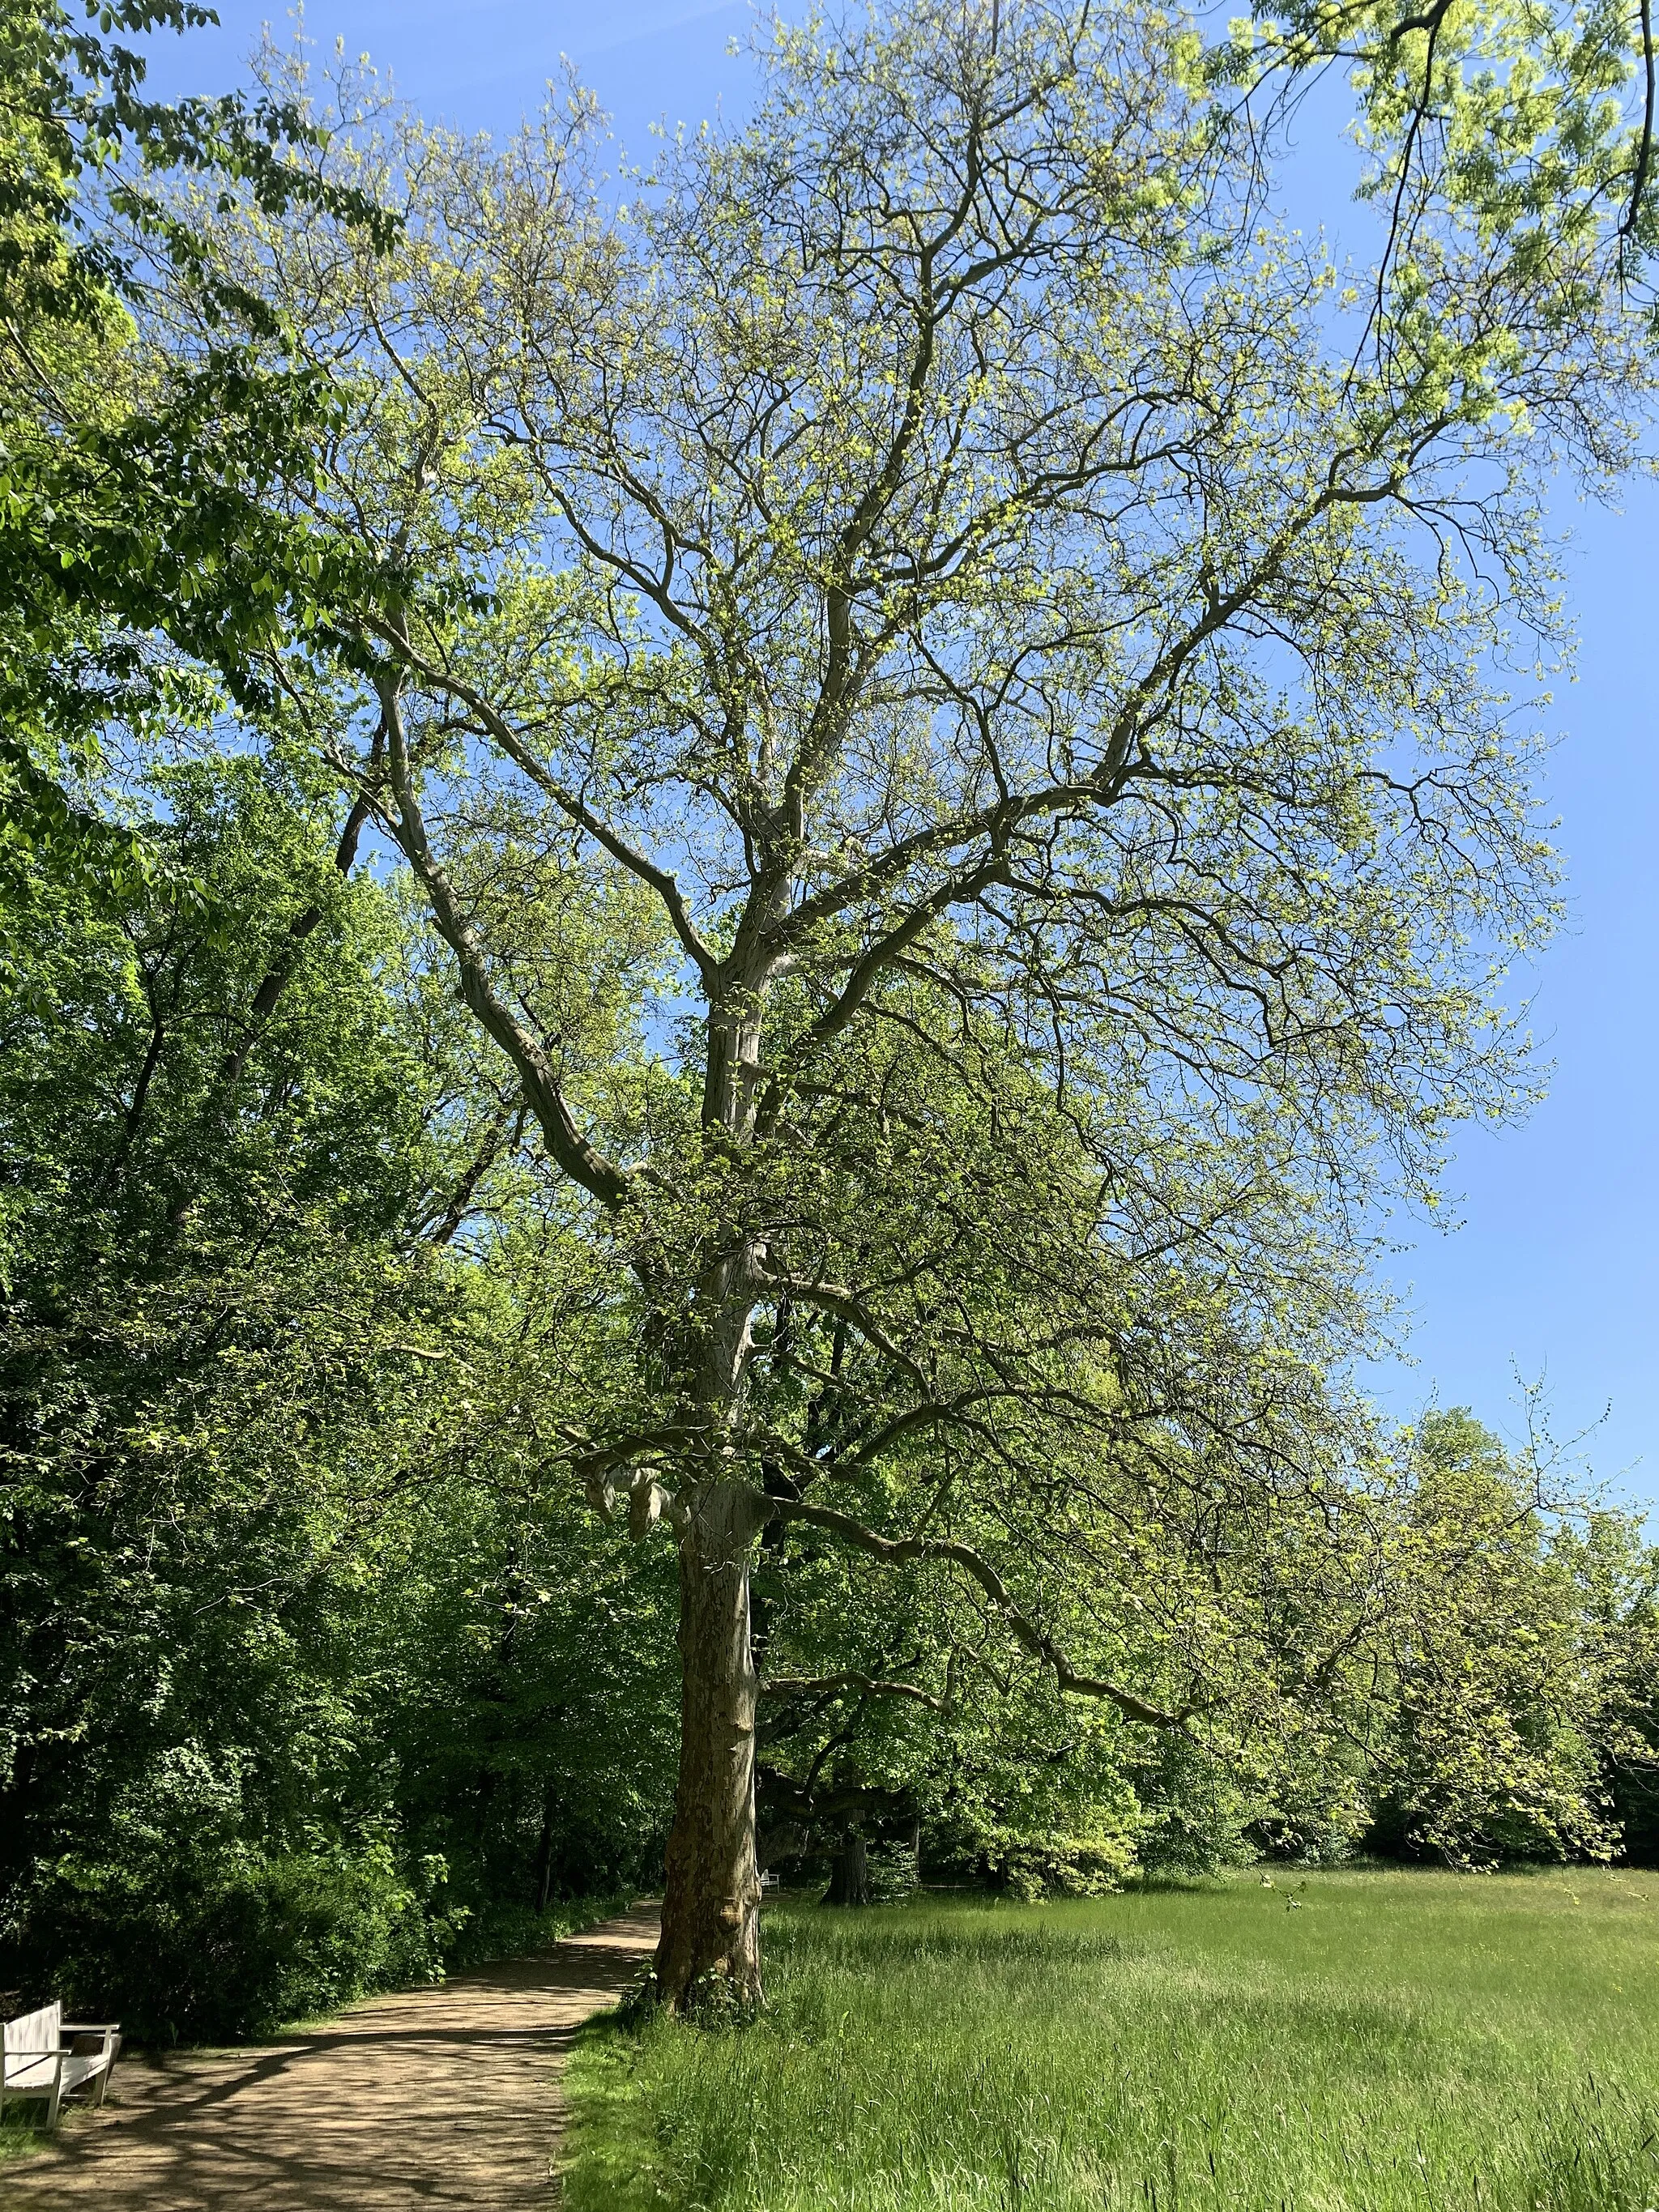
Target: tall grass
[1389, 2043]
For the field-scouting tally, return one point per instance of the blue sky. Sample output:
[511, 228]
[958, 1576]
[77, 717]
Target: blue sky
[1555, 1270]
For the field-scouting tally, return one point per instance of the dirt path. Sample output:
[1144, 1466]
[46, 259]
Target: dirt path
[443, 2100]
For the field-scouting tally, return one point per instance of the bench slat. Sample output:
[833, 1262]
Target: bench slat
[34, 2073]
[36, 2031]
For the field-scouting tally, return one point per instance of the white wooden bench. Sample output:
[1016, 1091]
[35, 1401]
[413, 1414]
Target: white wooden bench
[39, 2063]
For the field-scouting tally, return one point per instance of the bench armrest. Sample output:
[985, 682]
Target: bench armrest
[89, 2027]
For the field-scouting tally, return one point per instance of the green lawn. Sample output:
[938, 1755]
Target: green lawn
[1397, 2042]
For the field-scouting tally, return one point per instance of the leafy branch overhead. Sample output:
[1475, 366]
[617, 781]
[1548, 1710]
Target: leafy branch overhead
[133, 488]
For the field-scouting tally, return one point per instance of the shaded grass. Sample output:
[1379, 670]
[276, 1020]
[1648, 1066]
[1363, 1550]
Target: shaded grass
[21, 2133]
[1398, 2043]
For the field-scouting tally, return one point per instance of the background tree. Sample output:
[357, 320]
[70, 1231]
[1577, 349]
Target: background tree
[1621, 1576]
[1036, 630]
[306, 1676]
[1514, 1643]
[133, 509]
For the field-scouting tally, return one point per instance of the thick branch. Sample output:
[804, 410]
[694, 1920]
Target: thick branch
[639, 864]
[1644, 147]
[488, 1151]
[846, 1306]
[282, 970]
[901, 1551]
[994, 825]
[816, 1686]
[880, 956]
[580, 1160]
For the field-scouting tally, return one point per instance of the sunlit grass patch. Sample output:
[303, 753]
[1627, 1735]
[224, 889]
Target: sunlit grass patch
[1387, 2043]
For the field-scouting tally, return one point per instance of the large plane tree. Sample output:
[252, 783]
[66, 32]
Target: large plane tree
[984, 648]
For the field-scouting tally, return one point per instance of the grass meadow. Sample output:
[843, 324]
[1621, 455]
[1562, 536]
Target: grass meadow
[1351, 2042]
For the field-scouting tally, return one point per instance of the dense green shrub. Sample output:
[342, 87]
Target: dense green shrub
[183, 1946]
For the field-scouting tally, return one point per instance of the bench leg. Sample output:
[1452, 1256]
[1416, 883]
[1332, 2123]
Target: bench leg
[55, 2097]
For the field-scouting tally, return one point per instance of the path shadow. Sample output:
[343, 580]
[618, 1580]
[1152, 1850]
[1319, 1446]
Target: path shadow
[443, 2099]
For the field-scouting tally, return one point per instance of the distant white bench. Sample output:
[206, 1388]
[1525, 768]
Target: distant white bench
[768, 1880]
[39, 2063]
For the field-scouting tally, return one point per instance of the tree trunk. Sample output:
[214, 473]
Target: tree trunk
[711, 1900]
[711, 1896]
[850, 1874]
[544, 1854]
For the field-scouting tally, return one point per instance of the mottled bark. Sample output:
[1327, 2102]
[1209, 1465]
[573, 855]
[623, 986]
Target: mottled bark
[710, 1917]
